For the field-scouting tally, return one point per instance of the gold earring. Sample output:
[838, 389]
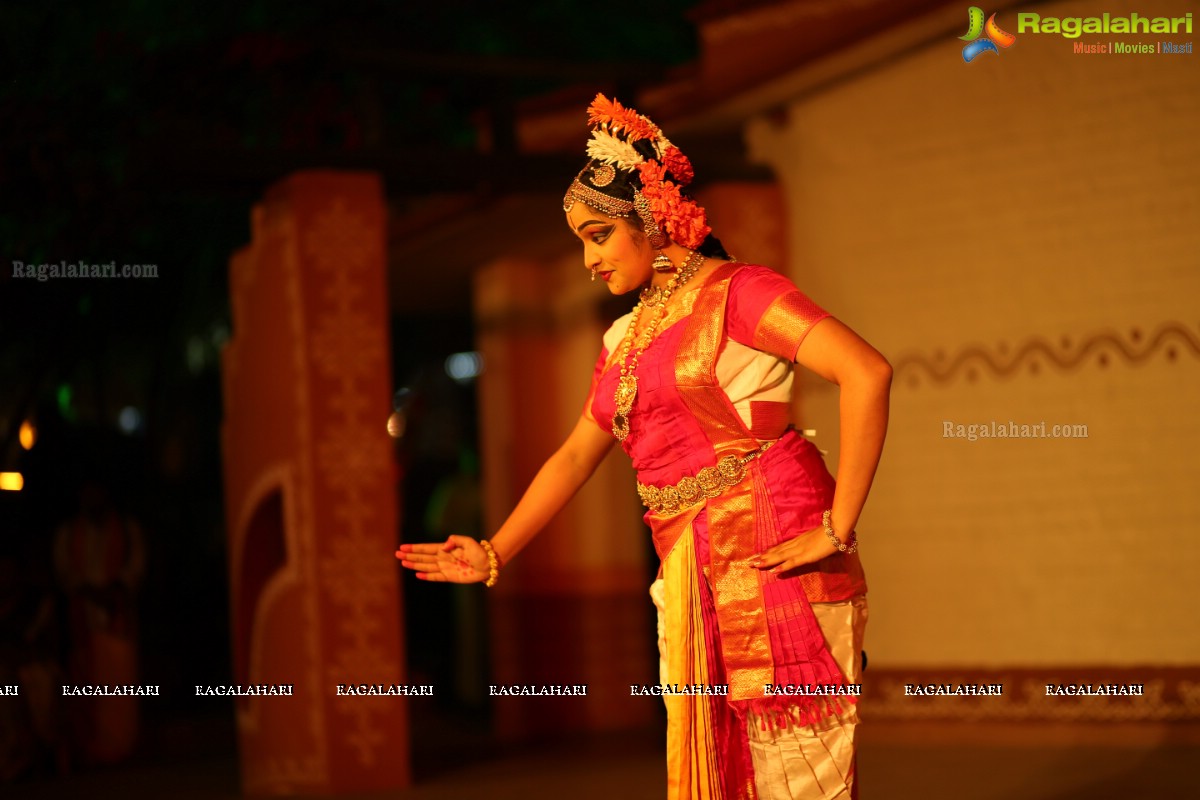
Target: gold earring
[662, 264]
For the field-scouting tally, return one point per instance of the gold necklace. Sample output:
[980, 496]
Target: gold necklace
[627, 385]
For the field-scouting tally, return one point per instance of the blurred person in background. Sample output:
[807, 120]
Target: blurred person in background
[99, 559]
[31, 736]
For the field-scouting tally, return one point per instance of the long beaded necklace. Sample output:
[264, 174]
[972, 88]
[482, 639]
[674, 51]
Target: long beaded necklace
[627, 386]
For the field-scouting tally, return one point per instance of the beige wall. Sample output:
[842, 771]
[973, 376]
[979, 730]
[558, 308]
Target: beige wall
[1019, 236]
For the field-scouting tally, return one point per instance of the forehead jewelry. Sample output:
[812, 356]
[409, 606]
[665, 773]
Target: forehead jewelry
[611, 207]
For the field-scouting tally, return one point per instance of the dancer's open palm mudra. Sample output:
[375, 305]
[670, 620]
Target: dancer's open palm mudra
[460, 559]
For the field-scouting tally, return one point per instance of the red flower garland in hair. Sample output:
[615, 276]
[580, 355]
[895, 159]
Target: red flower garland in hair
[678, 165]
[603, 111]
[683, 220]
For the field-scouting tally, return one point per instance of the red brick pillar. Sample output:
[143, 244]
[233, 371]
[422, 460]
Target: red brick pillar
[310, 491]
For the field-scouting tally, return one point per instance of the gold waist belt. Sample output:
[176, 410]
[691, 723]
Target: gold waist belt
[708, 482]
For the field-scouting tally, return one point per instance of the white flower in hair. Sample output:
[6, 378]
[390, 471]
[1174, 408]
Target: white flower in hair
[609, 149]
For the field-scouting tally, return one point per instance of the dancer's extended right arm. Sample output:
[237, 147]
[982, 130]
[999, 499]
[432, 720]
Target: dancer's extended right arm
[461, 559]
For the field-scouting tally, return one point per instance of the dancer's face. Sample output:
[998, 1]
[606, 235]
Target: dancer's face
[619, 253]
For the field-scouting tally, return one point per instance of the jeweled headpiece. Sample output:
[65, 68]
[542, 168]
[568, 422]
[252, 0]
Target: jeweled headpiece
[625, 140]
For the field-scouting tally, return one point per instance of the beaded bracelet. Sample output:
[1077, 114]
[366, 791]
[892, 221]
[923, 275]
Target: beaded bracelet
[849, 546]
[493, 564]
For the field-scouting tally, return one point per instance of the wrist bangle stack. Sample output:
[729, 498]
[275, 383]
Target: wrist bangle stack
[493, 564]
[848, 546]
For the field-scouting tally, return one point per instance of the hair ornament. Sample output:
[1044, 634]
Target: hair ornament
[616, 117]
[683, 220]
[608, 149]
[659, 202]
[579, 192]
[677, 164]
[603, 175]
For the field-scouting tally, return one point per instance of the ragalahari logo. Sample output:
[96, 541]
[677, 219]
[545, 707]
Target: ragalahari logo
[992, 37]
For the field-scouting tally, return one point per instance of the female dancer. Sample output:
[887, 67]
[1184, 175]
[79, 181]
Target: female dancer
[760, 588]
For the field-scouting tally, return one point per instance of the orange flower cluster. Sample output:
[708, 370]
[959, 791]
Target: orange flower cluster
[603, 111]
[682, 219]
[679, 217]
[678, 165]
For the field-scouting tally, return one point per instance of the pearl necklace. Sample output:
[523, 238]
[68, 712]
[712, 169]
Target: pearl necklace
[628, 384]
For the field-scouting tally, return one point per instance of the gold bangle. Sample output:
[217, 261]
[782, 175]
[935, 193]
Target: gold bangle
[851, 543]
[493, 564]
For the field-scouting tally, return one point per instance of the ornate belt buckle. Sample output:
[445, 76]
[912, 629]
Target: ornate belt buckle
[690, 491]
[731, 469]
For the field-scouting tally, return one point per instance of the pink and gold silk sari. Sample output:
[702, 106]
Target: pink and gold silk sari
[726, 622]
